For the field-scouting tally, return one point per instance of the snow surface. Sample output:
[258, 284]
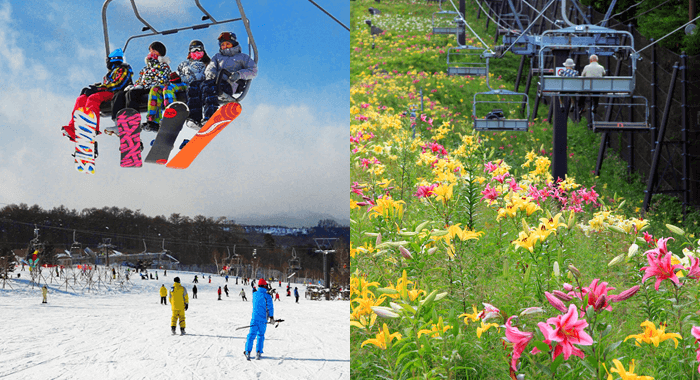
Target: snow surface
[120, 333]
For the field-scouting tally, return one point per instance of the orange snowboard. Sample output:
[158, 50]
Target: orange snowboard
[221, 118]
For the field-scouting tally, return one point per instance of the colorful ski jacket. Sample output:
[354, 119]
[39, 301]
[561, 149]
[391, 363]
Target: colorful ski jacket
[178, 297]
[191, 70]
[117, 78]
[156, 72]
[262, 306]
[234, 61]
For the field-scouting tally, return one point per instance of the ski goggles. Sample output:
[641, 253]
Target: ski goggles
[226, 36]
[196, 48]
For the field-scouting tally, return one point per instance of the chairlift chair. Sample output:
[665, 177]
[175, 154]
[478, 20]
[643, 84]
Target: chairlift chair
[441, 20]
[460, 61]
[76, 248]
[496, 119]
[625, 126]
[580, 38]
[209, 20]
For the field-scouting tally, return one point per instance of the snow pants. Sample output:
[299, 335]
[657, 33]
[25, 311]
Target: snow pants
[91, 99]
[160, 97]
[209, 96]
[163, 301]
[178, 314]
[256, 330]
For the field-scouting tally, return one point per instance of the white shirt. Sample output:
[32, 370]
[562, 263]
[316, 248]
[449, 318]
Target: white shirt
[593, 69]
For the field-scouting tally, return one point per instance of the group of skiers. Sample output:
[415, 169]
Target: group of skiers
[263, 311]
[196, 75]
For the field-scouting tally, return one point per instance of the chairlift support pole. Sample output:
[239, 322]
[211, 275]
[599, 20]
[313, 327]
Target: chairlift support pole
[560, 115]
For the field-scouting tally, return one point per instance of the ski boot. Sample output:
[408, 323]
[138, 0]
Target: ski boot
[150, 126]
[257, 355]
[189, 123]
[182, 331]
[172, 329]
[247, 355]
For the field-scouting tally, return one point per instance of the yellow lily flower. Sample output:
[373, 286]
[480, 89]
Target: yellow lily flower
[474, 316]
[364, 323]
[526, 241]
[653, 336]
[443, 193]
[484, 327]
[383, 338]
[624, 374]
[435, 330]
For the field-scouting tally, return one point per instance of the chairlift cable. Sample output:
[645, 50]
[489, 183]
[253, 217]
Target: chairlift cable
[537, 10]
[329, 15]
[487, 13]
[486, 46]
[529, 26]
[660, 39]
[634, 5]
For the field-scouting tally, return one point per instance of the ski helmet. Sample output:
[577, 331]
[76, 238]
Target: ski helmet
[262, 282]
[177, 279]
[228, 36]
[196, 45]
[115, 58]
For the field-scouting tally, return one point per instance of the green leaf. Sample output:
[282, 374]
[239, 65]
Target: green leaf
[556, 363]
[542, 346]
[607, 331]
[611, 348]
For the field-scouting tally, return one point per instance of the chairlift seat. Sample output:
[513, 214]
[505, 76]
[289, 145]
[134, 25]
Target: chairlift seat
[181, 96]
[553, 85]
[519, 125]
[458, 62]
[441, 29]
[620, 126]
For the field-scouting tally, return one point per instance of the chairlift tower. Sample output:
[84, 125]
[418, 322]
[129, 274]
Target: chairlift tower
[106, 246]
[325, 246]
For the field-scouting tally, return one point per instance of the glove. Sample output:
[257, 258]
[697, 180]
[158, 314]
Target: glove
[234, 77]
[186, 305]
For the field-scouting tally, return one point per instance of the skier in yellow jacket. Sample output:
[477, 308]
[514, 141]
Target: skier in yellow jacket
[178, 302]
[163, 294]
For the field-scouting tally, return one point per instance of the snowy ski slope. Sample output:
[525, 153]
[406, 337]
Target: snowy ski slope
[125, 334]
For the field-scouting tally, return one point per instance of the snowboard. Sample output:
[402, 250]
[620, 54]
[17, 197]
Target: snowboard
[170, 126]
[221, 118]
[128, 121]
[85, 122]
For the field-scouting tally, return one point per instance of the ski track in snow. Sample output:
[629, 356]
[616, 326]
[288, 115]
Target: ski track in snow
[113, 333]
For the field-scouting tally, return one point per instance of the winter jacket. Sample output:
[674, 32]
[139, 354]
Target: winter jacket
[117, 78]
[156, 72]
[593, 69]
[163, 291]
[234, 61]
[44, 292]
[178, 297]
[262, 306]
[191, 70]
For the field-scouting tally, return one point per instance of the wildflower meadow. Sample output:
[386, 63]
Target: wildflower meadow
[469, 261]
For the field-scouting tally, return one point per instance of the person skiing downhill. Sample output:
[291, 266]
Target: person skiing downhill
[242, 294]
[44, 294]
[118, 77]
[219, 292]
[296, 294]
[226, 290]
[179, 301]
[194, 291]
[263, 310]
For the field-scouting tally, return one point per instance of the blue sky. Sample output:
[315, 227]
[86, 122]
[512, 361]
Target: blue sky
[286, 154]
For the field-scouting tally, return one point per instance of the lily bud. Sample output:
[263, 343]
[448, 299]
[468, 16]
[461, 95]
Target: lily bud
[556, 302]
[384, 312]
[432, 250]
[379, 240]
[625, 295]
[405, 253]
[562, 296]
[574, 271]
[532, 310]
[556, 269]
[616, 260]
[632, 250]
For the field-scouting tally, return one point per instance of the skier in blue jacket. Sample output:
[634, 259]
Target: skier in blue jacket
[262, 311]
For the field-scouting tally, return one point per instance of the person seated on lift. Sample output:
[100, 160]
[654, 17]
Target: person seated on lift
[592, 70]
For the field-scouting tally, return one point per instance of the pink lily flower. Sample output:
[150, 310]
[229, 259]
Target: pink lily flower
[661, 268]
[696, 333]
[519, 339]
[490, 193]
[556, 302]
[693, 270]
[489, 312]
[568, 330]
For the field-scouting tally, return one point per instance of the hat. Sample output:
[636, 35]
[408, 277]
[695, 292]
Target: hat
[262, 282]
[569, 63]
[159, 47]
[196, 45]
[177, 279]
[227, 36]
[116, 56]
